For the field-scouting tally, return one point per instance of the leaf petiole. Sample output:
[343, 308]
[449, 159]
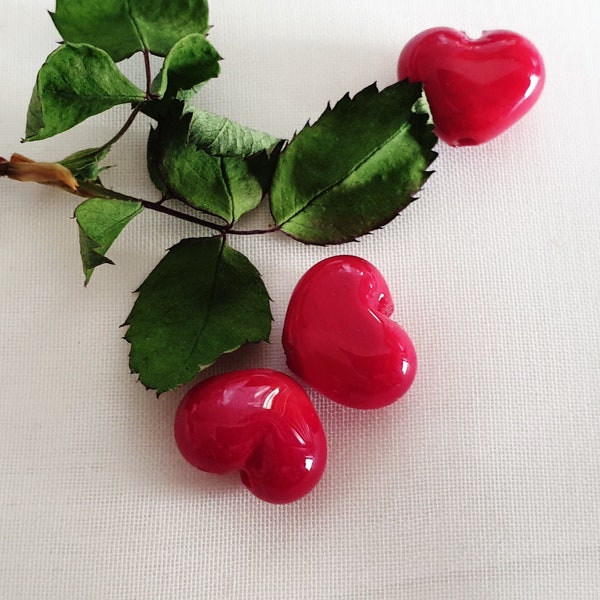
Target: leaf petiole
[132, 116]
[138, 107]
[148, 71]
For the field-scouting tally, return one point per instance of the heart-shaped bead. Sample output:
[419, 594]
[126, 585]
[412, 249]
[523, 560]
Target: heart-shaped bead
[259, 422]
[476, 88]
[338, 335]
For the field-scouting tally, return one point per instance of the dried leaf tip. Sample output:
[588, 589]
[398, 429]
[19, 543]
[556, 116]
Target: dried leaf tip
[22, 168]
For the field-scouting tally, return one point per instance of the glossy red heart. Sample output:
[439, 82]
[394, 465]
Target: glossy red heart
[258, 422]
[476, 88]
[338, 335]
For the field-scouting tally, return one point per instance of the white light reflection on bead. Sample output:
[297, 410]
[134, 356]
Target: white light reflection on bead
[268, 402]
[533, 82]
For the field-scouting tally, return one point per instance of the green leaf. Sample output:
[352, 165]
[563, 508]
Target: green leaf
[220, 136]
[100, 223]
[202, 300]
[215, 134]
[356, 168]
[76, 82]
[123, 27]
[226, 186]
[85, 164]
[191, 62]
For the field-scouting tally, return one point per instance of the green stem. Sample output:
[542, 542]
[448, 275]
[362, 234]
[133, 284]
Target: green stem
[148, 71]
[134, 113]
[165, 210]
[253, 231]
[138, 107]
[98, 191]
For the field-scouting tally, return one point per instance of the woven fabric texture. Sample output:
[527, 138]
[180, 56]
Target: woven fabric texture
[483, 483]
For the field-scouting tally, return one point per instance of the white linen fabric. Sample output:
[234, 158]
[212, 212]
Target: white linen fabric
[482, 483]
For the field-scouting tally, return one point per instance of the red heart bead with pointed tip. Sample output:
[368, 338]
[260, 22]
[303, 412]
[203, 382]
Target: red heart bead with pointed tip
[476, 88]
[259, 422]
[338, 335]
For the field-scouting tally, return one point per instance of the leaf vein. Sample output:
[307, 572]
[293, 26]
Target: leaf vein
[401, 131]
[210, 303]
[115, 225]
[136, 28]
[220, 132]
[227, 186]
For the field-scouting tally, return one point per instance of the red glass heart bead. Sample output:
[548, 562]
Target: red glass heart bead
[258, 422]
[338, 335]
[476, 88]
